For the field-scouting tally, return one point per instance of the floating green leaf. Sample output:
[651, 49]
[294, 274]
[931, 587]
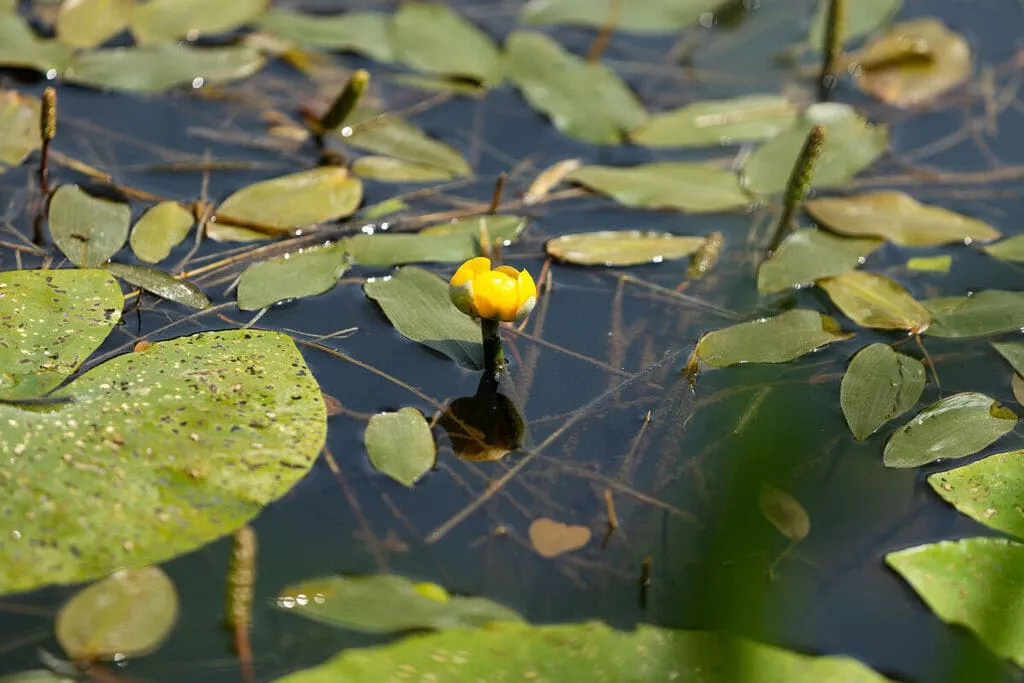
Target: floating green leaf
[158, 453]
[808, 255]
[989, 312]
[445, 243]
[155, 21]
[989, 490]
[693, 187]
[19, 127]
[873, 300]
[391, 136]
[589, 651]
[779, 339]
[89, 230]
[155, 68]
[22, 49]
[296, 200]
[976, 582]
[955, 427]
[391, 170]
[784, 512]
[643, 16]
[50, 321]
[305, 273]
[159, 230]
[128, 614]
[366, 33]
[851, 145]
[861, 17]
[584, 100]
[400, 445]
[387, 603]
[1012, 352]
[432, 37]
[1010, 249]
[88, 23]
[879, 384]
[899, 218]
[417, 303]
[162, 284]
[750, 118]
[621, 247]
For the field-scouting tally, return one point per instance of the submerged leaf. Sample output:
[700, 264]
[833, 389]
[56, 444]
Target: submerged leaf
[784, 512]
[551, 539]
[432, 37]
[861, 17]
[750, 118]
[88, 23]
[584, 100]
[989, 490]
[643, 16]
[87, 229]
[295, 200]
[779, 339]
[389, 169]
[394, 137]
[879, 384]
[19, 127]
[159, 230]
[162, 284]
[445, 243]
[20, 47]
[693, 187]
[899, 218]
[400, 445]
[976, 582]
[808, 255]
[167, 20]
[955, 427]
[366, 33]
[873, 300]
[305, 273]
[988, 312]
[621, 247]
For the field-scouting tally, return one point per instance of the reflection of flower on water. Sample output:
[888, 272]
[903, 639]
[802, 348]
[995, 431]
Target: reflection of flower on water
[486, 426]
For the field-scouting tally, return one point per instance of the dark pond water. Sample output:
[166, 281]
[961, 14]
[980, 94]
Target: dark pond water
[687, 496]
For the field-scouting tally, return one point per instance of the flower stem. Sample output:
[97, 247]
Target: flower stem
[494, 356]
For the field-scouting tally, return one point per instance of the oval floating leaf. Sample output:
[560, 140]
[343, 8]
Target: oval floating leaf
[551, 539]
[955, 427]
[585, 100]
[305, 273]
[1010, 249]
[693, 187]
[158, 453]
[644, 16]
[391, 136]
[750, 118]
[873, 300]
[89, 230]
[88, 23]
[879, 384]
[58, 318]
[296, 200]
[417, 303]
[20, 48]
[156, 21]
[621, 247]
[808, 255]
[989, 312]
[128, 614]
[366, 33]
[784, 512]
[19, 127]
[391, 170]
[989, 490]
[452, 242]
[386, 603]
[898, 218]
[976, 582]
[400, 445]
[861, 17]
[432, 37]
[159, 230]
[779, 339]
[162, 284]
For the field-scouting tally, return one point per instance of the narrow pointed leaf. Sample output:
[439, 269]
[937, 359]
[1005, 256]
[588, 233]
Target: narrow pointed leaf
[88, 23]
[19, 127]
[365, 33]
[873, 300]
[621, 247]
[808, 255]
[750, 118]
[294, 276]
[990, 491]
[692, 187]
[159, 230]
[156, 21]
[391, 170]
[393, 137]
[432, 37]
[641, 16]
[879, 385]
[296, 200]
[988, 312]
[779, 339]
[401, 445]
[87, 229]
[162, 284]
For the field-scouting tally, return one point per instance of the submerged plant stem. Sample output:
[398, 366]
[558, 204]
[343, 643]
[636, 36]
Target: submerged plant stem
[494, 354]
[799, 184]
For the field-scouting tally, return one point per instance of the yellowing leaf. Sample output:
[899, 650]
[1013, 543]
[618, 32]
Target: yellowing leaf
[159, 230]
[551, 539]
[873, 300]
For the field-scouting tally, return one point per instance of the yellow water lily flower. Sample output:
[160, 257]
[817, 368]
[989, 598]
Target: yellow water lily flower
[501, 294]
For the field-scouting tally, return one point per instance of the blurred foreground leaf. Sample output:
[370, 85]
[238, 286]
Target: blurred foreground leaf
[21, 48]
[861, 17]
[88, 23]
[642, 16]
[19, 127]
[365, 33]
[155, 21]
[434, 38]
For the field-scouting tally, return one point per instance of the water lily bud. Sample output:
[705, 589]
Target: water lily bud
[503, 294]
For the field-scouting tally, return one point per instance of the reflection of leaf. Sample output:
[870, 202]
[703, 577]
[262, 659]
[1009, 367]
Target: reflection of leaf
[391, 136]
[646, 16]
[585, 100]
[784, 512]
[899, 218]
[159, 230]
[88, 23]
[387, 604]
[21, 48]
[19, 127]
[861, 17]
[551, 539]
[158, 453]
[988, 312]
[127, 614]
[621, 247]
[367, 33]
[305, 273]
[166, 20]
[808, 255]
[295, 200]
[683, 186]
[589, 651]
[779, 339]
[990, 490]
[432, 37]
[976, 582]
[162, 284]
[750, 118]
[59, 317]
[445, 243]
[879, 384]
[873, 300]
[89, 230]
[391, 170]
[400, 445]
[955, 427]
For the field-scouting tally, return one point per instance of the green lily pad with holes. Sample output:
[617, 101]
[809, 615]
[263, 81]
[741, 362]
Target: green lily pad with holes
[621, 247]
[160, 229]
[50, 322]
[861, 17]
[83, 24]
[684, 186]
[778, 339]
[21, 48]
[156, 21]
[400, 445]
[873, 300]
[365, 33]
[988, 312]
[418, 304]
[879, 385]
[952, 428]
[87, 229]
[163, 284]
[386, 603]
[296, 200]
[750, 118]
[976, 582]
[394, 137]
[432, 37]
[808, 255]
[19, 127]
[294, 276]
[989, 490]
[392, 170]
[444, 243]
[640, 16]
[156, 453]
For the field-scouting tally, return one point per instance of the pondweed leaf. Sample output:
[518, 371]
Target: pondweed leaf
[162, 284]
[989, 490]
[778, 339]
[692, 187]
[385, 603]
[784, 512]
[127, 614]
[394, 137]
[1013, 352]
[87, 229]
[1010, 249]
[750, 118]
[365, 33]
[432, 37]
[19, 127]
[551, 539]
[452, 242]
[296, 200]
[642, 16]
[808, 255]
[861, 17]
[401, 445]
[58, 318]
[976, 582]
[88, 23]
[163, 227]
[898, 218]
[878, 385]
[304, 273]
[154, 21]
[954, 427]
[621, 247]
[21, 48]
[873, 300]
[992, 311]
[584, 100]
[392, 170]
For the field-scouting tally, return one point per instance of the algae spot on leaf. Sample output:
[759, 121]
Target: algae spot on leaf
[989, 490]
[778, 339]
[87, 229]
[988, 312]
[784, 512]
[750, 118]
[692, 187]
[808, 255]
[305, 273]
[163, 227]
[401, 445]
[296, 200]
[873, 300]
[551, 538]
[878, 385]
[432, 37]
[621, 247]
[162, 284]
